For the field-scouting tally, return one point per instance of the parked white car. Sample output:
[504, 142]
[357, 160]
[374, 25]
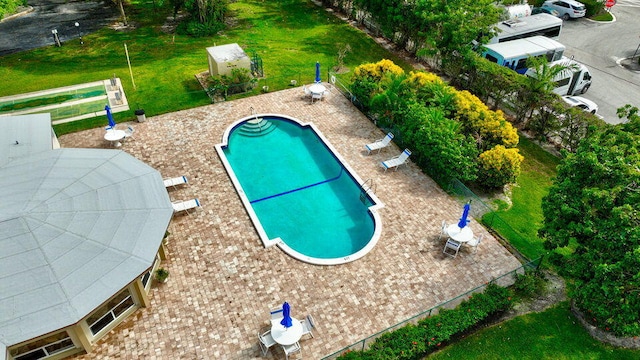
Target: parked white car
[567, 8]
[582, 103]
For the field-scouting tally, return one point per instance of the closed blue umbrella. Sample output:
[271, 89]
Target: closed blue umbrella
[465, 213]
[112, 123]
[318, 78]
[286, 315]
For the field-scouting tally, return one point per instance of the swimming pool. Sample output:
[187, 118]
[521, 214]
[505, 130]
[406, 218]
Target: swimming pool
[298, 191]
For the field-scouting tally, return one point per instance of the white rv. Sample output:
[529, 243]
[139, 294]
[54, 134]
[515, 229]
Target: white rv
[574, 80]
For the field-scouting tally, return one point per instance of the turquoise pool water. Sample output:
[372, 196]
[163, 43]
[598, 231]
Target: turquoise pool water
[299, 190]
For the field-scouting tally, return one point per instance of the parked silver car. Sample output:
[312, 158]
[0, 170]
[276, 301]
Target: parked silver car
[582, 103]
[567, 8]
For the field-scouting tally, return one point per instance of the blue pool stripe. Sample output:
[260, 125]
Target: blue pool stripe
[300, 188]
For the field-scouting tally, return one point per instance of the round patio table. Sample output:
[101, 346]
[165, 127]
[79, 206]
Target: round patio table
[286, 336]
[114, 136]
[460, 235]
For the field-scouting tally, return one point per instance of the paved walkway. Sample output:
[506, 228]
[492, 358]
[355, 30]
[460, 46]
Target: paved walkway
[223, 281]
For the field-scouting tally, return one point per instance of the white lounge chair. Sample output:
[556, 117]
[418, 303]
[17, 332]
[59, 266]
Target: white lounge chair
[379, 144]
[180, 206]
[394, 162]
[173, 182]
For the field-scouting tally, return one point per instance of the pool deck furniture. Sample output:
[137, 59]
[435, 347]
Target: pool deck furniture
[475, 242]
[266, 341]
[317, 91]
[290, 349]
[185, 206]
[460, 235]
[379, 144]
[173, 182]
[308, 325]
[451, 248]
[128, 132]
[286, 336]
[396, 161]
[276, 313]
[114, 136]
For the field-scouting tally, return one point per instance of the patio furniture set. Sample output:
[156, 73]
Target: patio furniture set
[457, 237]
[285, 331]
[116, 136]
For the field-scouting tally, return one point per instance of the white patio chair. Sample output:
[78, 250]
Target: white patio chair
[379, 144]
[451, 248]
[396, 161]
[443, 231]
[290, 349]
[308, 324]
[475, 242]
[173, 182]
[276, 313]
[316, 97]
[128, 132]
[266, 341]
[180, 206]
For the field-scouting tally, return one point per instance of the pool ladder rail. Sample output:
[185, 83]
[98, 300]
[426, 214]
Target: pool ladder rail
[365, 188]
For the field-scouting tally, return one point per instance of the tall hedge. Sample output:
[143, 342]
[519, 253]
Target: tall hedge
[446, 129]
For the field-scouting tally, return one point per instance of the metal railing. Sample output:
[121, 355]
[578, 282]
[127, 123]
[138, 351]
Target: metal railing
[503, 280]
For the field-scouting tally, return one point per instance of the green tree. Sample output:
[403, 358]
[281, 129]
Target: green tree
[592, 211]
[206, 16]
[449, 27]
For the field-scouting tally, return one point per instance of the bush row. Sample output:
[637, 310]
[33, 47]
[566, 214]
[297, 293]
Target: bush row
[430, 334]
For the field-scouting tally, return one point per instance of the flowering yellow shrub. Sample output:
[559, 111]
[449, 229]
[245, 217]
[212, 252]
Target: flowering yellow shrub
[499, 166]
[376, 71]
[490, 125]
[420, 78]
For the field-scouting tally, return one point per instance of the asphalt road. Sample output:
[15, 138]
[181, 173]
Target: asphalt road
[601, 46]
[33, 29]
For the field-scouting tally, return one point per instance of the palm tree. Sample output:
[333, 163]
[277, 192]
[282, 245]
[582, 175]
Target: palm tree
[537, 88]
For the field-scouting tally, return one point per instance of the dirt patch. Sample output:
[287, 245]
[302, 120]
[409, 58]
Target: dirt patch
[554, 293]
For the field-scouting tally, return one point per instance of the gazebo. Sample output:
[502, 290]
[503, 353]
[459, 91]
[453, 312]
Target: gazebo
[81, 232]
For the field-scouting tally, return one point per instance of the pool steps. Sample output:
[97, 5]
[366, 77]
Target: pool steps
[256, 127]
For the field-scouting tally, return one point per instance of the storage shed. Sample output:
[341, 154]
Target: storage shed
[224, 58]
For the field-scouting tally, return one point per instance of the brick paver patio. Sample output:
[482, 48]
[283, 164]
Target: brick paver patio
[223, 281]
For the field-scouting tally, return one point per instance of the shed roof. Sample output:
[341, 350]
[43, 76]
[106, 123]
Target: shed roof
[225, 53]
[76, 226]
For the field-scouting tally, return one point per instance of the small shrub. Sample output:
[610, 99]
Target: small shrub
[529, 284]
[499, 166]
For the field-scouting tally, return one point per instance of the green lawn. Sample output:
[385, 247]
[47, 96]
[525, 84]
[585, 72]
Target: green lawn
[520, 223]
[289, 36]
[553, 334]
